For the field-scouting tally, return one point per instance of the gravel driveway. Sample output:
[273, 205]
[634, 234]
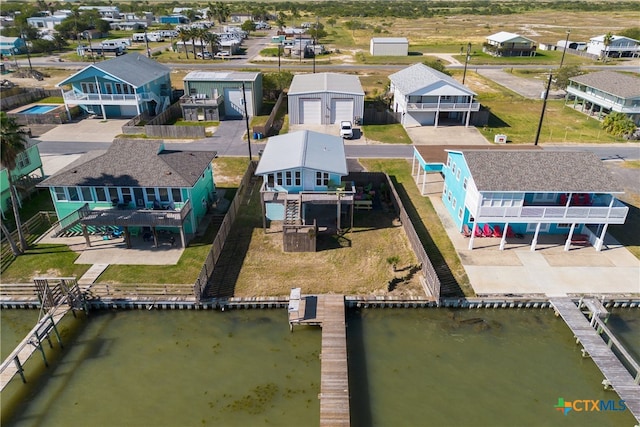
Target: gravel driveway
[529, 88]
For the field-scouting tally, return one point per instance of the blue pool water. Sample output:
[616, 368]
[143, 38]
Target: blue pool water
[39, 109]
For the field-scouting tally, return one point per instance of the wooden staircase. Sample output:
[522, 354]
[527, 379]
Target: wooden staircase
[292, 212]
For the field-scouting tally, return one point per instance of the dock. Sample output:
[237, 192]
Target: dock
[13, 364]
[616, 375]
[328, 312]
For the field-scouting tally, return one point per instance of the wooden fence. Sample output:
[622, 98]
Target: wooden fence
[372, 116]
[28, 96]
[156, 128]
[267, 128]
[28, 227]
[221, 237]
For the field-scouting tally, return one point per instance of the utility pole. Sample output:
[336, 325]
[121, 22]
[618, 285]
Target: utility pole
[279, 54]
[466, 61]
[566, 42]
[544, 105]
[315, 41]
[246, 119]
[146, 41]
[26, 45]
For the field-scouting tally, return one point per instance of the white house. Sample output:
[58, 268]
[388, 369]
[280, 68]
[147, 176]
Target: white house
[389, 46]
[619, 47]
[325, 98]
[427, 97]
[509, 44]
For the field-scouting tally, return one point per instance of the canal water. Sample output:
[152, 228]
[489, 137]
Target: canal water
[409, 367]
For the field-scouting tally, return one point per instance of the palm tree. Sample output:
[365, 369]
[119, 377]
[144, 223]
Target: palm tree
[184, 34]
[13, 143]
[212, 39]
[193, 34]
[201, 33]
[221, 11]
[608, 38]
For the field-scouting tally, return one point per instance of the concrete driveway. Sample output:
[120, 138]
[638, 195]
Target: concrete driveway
[446, 135]
[86, 130]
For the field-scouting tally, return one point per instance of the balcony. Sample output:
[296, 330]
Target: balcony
[444, 106]
[200, 100]
[345, 193]
[616, 214]
[139, 217]
[73, 97]
[610, 104]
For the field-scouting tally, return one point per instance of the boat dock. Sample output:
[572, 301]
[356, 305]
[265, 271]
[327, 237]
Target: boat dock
[616, 375]
[13, 364]
[327, 311]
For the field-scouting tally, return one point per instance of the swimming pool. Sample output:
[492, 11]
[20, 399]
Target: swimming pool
[39, 109]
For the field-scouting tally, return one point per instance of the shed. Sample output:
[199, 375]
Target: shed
[325, 98]
[389, 46]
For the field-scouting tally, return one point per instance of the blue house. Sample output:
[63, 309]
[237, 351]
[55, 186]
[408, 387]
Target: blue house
[134, 185]
[300, 169]
[506, 193]
[12, 45]
[125, 86]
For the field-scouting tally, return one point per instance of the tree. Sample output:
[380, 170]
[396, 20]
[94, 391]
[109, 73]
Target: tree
[331, 21]
[562, 76]
[281, 21]
[14, 141]
[317, 31]
[608, 38]
[213, 40]
[200, 34]
[184, 34]
[248, 26]
[274, 83]
[221, 11]
[437, 65]
[618, 124]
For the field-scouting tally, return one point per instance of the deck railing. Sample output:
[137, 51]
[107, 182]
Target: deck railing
[602, 214]
[444, 106]
[74, 96]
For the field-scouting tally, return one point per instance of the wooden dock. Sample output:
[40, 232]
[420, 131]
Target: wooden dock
[14, 363]
[328, 311]
[616, 375]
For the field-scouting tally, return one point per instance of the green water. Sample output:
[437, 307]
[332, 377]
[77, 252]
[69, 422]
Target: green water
[625, 324]
[419, 367]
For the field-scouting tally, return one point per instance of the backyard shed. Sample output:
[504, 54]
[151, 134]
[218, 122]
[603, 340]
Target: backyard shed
[389, 46]
[325, 98]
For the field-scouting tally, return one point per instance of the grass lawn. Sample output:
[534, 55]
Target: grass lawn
[389, 134]
[425, 219]
[44, 260]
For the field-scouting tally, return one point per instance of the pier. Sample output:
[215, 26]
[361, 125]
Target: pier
[328, 312]
[616, 375]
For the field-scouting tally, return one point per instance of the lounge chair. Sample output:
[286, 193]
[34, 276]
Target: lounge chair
[563, 199]
[497, 231]
[466, 232]
[479, 231]
[487, 231]
[510, 232]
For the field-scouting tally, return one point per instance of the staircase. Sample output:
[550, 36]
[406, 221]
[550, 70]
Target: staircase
[292, 212]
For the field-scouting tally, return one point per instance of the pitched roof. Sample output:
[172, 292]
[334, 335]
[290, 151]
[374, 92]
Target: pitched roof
[325, 82]
[226, 76]
[419, 76]
[306, 149]
[613, 38]
[540, 171]
[504, 36]
[132, 68]
[390, 40]
[618, 84]
[136, 164]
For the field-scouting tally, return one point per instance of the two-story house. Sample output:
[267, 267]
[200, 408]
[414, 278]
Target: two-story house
[509, 44]
[618, 47]
[125, 86]
[518, 192]
[602, 92]
[135, 184]
[12, 45]
[427, 97]
[27, 173]
[300, 169]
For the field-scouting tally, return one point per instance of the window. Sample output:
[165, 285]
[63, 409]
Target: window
[73, 194]
[176, 194]
[298, 178]
[563, 225]
[444, 190]
[151, 194]
[449, 196]
[86, 194]
[126, 194]
[279, 178]
[453, 168]
[108, 87]
[460, 211]
[123, 88]
[448, 162]
[101, 195]
[60, 194]
[88, 87]
[23, 160]
[458, 175]
[288, 178]
[113, 194]
[164, 194]
[465, 183]
[322, 179]
[454, 202]
[270, 180]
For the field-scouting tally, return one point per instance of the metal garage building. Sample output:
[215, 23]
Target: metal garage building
[325, 98]
[389, 46]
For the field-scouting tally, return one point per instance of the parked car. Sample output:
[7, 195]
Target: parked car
[204, 55]
[222, 54]
[346, 129]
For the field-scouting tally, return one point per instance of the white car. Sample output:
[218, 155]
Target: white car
[346, 129]
[204, 55]
[222, 54]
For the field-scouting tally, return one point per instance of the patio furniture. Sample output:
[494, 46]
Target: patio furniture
[466, 232]
[497, 231]
[487, 231]
[479, 231]
[510, 233]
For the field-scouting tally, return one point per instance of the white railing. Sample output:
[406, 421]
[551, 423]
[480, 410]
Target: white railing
[581, 214]
[73, 96]
[610, 104]
[444, 106]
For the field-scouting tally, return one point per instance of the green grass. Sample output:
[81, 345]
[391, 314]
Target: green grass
[389, 134]
[52, 100]
[182, 122]
[424, 217]
[44, 260]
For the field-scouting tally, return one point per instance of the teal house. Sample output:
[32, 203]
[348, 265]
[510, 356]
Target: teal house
[300, 169]
[135, 185]
[27, 173]
[511, 193]
[125, 86]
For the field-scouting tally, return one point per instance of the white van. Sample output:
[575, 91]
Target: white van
[139, 37]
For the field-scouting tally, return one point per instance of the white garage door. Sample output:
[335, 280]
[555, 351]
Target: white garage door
[128, 111]
[341, 109]
[233, 102]
[310, 111]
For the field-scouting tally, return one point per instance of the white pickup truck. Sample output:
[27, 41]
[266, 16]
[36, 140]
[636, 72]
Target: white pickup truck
[346, 129]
